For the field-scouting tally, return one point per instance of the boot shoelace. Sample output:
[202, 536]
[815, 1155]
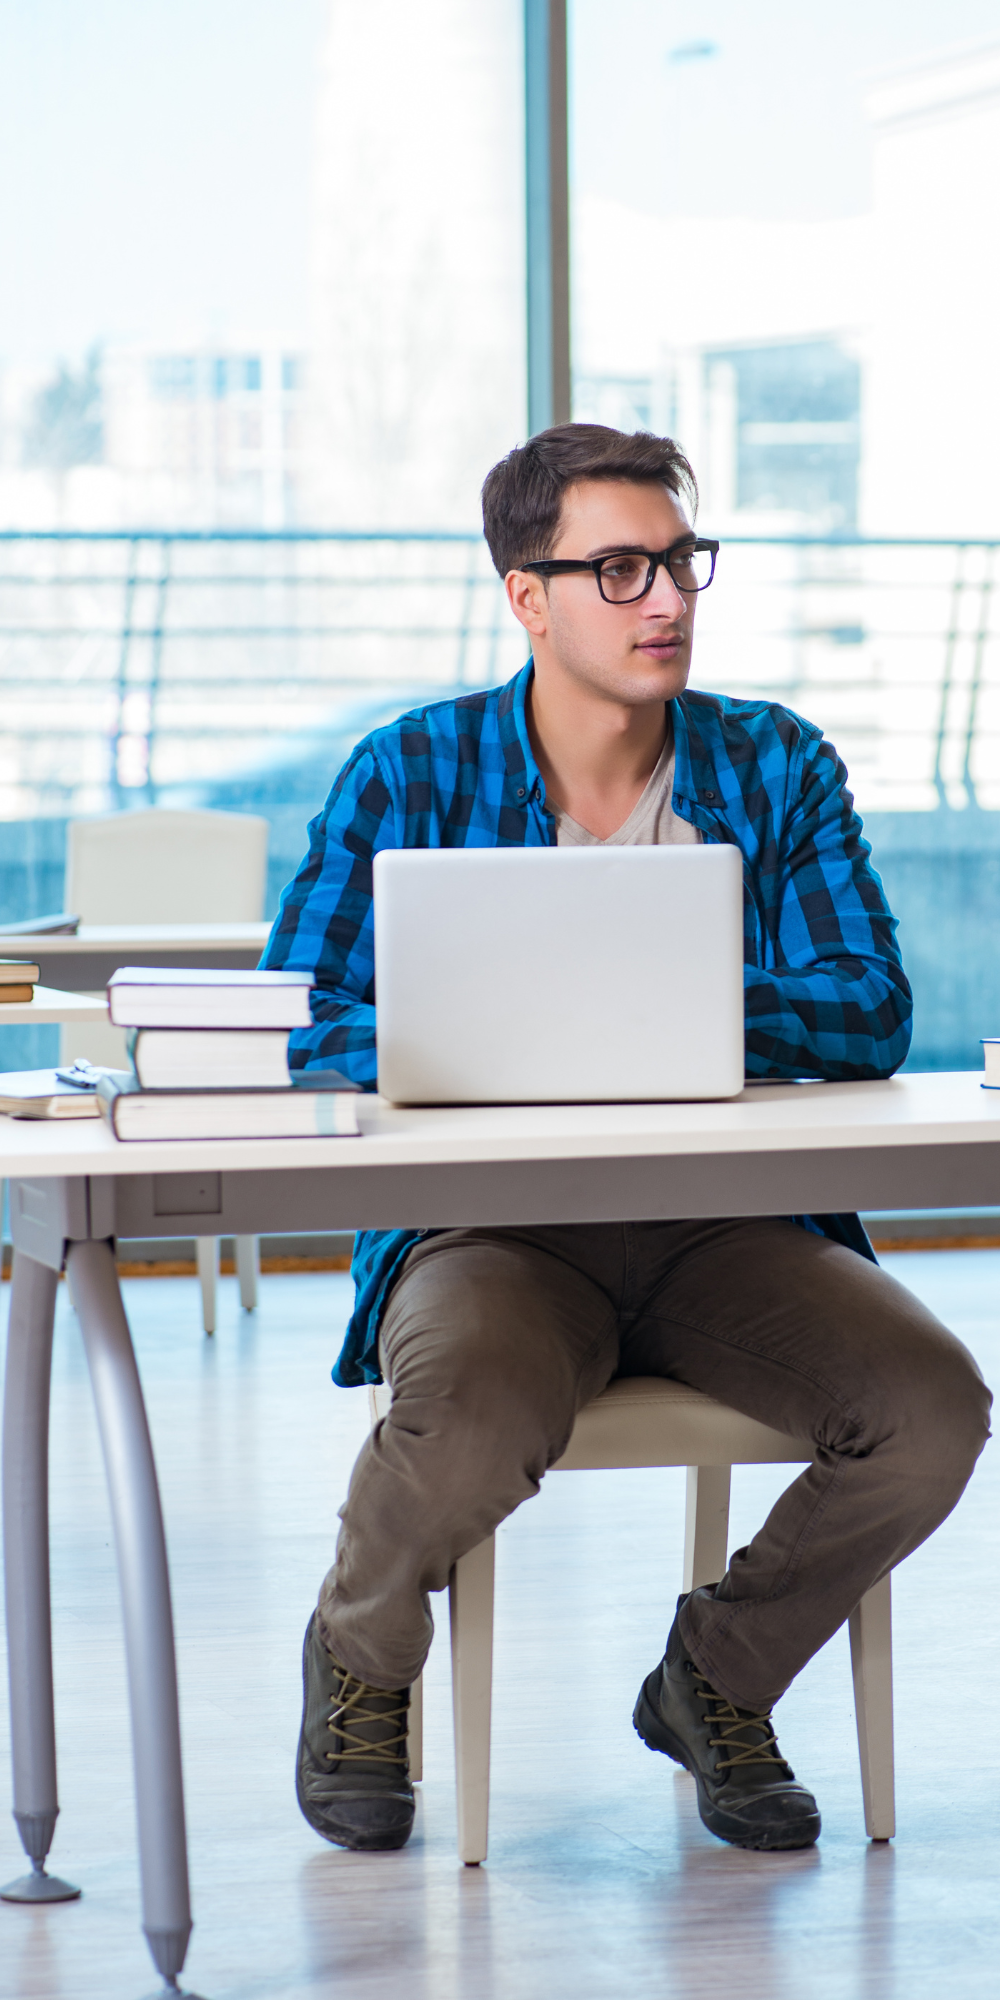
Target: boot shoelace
[350, 1705]
[730, 1721]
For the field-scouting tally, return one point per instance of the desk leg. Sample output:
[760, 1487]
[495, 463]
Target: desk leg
[26, 1567]
[145, 1588]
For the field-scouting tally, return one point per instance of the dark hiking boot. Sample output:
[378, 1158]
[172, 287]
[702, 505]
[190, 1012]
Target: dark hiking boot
[353, 1772]
[746, 1792]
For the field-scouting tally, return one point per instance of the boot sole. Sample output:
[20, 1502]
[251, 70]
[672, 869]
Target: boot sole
[726, 1826]
[324, 1820]
[340, 1832]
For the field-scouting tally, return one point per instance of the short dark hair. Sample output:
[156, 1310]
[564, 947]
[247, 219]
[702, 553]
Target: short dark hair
[523, 495]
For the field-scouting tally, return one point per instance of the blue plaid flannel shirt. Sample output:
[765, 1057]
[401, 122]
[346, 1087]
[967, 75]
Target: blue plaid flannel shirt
[826, 995]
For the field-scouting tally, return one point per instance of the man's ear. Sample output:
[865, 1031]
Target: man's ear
[527, 598]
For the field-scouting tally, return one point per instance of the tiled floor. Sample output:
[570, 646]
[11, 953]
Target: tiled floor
[601, 1880]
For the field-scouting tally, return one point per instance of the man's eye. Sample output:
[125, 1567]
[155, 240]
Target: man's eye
[618, 567]
[683, 559]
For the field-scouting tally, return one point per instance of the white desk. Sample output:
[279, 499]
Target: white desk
[85, 962]
[48, 1007]
[48, 1004]
[915, 1142]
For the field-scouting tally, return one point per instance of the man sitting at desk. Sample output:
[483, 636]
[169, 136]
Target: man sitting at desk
[493, 1339]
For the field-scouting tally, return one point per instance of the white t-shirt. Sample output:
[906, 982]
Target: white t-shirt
[652, 821]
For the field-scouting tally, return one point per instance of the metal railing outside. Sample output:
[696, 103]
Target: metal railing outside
[134, 667]
[892, 645]
[138, 667]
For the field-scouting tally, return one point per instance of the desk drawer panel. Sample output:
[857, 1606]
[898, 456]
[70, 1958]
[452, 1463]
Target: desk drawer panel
[187, 1194]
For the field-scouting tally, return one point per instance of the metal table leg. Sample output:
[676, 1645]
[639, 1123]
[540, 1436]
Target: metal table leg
[26, 1567]
[145, 1589]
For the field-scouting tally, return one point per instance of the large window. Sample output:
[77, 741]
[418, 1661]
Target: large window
[276, 335]
[781, 216]
[247, 397]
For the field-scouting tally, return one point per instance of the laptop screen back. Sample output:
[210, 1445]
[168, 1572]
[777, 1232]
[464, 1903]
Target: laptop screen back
[554, 975]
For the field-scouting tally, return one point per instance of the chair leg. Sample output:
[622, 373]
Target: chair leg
[248, 1270]
[706, 1524]
[870, 1627]
[207, 1254]
[470, 1591]
[415, 1730]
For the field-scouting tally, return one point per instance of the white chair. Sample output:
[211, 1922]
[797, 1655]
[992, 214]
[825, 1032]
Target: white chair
[163, 867]
[643, 1421]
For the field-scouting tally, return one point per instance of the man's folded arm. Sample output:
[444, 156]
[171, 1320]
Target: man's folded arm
[324, 922]
[847, 1020]
[836, 1002]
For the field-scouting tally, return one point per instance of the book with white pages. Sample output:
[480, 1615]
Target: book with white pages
[168, 996]
[319, 1104]
[209, 1058]
[42, 1093]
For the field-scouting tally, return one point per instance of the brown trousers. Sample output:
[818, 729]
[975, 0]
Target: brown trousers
[493, 1339]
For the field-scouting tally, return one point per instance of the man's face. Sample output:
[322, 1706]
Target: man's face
[630, 653]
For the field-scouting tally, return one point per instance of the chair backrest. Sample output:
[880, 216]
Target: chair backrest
[163, 867]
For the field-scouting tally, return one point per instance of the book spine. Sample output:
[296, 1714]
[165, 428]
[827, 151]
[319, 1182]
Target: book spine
[107, 1106]
[336, 1115]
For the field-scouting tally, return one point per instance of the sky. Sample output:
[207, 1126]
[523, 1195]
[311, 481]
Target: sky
[744, 107]
[155, 155]
[154, 168]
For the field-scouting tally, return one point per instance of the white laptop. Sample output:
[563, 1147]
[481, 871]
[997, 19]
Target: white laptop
[558, 975]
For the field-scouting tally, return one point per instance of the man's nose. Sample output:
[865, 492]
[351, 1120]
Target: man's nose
[664, 599]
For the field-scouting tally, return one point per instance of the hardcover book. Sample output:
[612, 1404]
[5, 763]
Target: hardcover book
[169, 996]
[209, 1058]
[321, 1105]
[18, 977]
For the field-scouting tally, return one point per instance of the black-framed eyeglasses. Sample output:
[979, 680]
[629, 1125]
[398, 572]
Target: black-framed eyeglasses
[628, 574]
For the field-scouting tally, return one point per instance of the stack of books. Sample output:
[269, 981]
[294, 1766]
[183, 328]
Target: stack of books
[18, 979]
[209, 1056]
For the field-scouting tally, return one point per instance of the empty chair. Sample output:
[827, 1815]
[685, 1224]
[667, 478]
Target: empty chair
[646, 1421]
[164, 867]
